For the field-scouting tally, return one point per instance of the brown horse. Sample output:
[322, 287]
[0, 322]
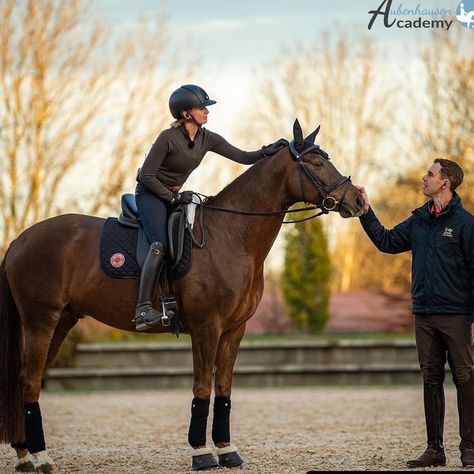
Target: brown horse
[51, 276]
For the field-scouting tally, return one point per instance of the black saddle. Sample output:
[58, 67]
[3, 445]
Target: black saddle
[129, 218]
[177, 230]
[124, 245]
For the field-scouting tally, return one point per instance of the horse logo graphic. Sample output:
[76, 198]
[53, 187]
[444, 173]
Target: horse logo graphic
[447, 232]
[466, 18]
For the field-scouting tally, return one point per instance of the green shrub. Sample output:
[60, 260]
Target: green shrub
[306, 276]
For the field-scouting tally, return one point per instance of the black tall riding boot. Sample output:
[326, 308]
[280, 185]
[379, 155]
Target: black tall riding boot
[145, 315]
[433, 397]
[465, 394]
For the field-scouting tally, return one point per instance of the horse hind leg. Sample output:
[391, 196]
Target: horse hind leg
[227, 350]
[11, 365]
[25, 461]
[66, 323]
[39, 333]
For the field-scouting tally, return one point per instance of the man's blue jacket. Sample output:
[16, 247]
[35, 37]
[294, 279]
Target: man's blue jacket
[442, 255]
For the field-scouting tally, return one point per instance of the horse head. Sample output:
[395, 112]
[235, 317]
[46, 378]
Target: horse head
[316, 180]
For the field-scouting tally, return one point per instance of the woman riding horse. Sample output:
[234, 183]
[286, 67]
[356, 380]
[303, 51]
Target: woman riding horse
[175, 154]
[51, 277]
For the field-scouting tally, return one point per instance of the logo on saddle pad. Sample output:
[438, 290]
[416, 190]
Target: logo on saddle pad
[117, 260]
[447, 232]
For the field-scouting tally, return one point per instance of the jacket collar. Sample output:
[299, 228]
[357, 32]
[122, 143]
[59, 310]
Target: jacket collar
[185, 132]
[425, 210]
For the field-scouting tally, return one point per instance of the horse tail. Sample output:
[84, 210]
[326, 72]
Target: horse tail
[11, 361]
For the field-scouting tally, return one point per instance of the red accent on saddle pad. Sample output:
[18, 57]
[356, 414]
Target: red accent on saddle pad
[117, 260]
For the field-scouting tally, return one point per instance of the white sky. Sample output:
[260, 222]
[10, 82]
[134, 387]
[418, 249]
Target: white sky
[233, 38]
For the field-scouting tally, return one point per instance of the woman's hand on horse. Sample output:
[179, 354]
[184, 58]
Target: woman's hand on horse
[186, 197]
[275, 147]
[363, 193]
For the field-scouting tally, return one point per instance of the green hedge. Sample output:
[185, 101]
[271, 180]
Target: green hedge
[306, 276]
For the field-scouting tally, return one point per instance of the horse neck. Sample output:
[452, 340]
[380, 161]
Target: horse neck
[262, 188]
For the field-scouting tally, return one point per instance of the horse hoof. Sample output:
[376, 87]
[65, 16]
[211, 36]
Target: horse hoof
[203, 459]
[229, 457]
[230, 460]
[25, 464]
[46, 469]
[43, 463]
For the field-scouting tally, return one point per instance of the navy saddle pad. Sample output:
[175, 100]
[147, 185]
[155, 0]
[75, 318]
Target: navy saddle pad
[118, 252]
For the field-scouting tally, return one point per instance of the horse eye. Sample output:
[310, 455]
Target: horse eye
[318, 164]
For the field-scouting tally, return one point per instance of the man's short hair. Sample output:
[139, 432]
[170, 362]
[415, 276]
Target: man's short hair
[452, 171]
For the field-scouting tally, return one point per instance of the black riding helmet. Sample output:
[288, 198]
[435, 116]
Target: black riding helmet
[187, 97]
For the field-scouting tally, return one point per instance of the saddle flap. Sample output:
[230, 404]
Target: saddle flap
[176, 233]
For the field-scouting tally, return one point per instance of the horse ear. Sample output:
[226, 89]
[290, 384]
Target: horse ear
[312, 136]
[297, 132]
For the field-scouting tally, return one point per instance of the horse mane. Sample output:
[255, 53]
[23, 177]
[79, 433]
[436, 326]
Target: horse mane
[236, 184]
[301, 143]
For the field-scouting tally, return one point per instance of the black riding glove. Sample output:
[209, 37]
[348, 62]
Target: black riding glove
[273, 148]
[186, 197]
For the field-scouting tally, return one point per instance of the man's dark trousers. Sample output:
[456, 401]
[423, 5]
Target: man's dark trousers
[441, 337]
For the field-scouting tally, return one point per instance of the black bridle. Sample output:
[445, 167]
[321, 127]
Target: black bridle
[328, 203]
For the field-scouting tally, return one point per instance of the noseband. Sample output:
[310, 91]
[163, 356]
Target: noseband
[329, 203]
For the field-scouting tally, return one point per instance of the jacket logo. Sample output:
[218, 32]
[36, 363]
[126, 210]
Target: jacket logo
[447, 232]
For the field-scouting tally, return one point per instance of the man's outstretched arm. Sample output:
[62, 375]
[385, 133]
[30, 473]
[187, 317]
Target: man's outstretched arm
[394, 240]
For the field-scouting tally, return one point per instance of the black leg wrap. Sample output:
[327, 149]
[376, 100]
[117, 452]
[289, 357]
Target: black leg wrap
[21, 445]
[198, 425]
[221, 420]
[34, 428]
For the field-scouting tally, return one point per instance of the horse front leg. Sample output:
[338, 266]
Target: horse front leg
[204, 346]
[227, 350]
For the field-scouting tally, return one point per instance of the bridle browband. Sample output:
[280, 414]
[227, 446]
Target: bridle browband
[329, 203]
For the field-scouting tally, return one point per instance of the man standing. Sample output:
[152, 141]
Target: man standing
[440, 235]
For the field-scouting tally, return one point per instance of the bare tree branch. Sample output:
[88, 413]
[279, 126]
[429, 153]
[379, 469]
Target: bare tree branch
[66, 84]
[333, 82]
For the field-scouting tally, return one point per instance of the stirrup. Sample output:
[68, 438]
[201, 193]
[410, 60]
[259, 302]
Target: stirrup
[169, 309]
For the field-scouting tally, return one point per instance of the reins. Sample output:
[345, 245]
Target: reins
[237, 211]
[263, 213]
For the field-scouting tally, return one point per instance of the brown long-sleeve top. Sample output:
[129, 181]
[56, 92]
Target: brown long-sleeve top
[171, 160]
